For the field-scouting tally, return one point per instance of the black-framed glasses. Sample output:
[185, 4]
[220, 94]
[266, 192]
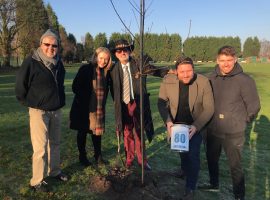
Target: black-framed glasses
[53, 45]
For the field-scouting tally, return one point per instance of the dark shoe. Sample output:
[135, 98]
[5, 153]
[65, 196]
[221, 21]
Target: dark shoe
[188, 195]
[129, 167]
[100, 161]
[179, 174]
[209, 187]
[147, 167]
[84, 161]
[61, 177]
[41, 187]
[239, 198]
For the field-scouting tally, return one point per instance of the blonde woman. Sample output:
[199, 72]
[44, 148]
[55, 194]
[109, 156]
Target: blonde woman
[87, 114]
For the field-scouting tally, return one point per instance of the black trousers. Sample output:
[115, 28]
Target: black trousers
[233, 146]
[81, 143]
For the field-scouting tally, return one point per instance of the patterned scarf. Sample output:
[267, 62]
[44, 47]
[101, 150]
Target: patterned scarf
[100, 117]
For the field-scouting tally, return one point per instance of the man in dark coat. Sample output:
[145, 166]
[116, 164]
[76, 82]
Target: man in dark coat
[236, 104]
[40, 87]
[127, 112]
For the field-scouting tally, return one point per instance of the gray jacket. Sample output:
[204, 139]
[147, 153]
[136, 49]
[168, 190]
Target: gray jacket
[236, 101]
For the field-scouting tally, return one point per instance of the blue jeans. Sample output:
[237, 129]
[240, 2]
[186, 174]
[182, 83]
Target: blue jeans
[190, 161]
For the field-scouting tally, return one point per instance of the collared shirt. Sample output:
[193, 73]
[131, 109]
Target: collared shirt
[130, 79]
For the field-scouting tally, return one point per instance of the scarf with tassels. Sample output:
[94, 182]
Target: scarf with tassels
[99, 115]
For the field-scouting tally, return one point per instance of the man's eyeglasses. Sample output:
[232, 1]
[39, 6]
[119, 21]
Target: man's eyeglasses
[53, 45]
[122, 50]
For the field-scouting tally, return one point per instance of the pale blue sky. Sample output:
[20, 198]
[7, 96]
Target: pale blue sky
[243, 18]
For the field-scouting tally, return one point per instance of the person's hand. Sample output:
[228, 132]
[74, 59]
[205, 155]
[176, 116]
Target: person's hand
[169, 131]
[192, 131]
[172, 71]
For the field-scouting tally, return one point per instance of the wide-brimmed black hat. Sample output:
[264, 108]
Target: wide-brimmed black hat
[122, 44]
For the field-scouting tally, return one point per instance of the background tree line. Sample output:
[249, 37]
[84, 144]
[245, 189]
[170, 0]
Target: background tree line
[22, 22]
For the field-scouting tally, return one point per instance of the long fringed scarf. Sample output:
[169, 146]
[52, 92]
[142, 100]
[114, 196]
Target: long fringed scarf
[99, 115]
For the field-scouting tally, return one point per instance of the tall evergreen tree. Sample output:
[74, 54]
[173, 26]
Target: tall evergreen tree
[100, 40]
[8, 29]
[70, 48]
[79, 54]
[64, 42]
[176, 46]
[88, 46]
[251, 47]
[53, 19]
[31, 17]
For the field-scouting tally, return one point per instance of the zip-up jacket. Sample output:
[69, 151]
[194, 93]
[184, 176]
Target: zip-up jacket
[236, 101]
[39, 87]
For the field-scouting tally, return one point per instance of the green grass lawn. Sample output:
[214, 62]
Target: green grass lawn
[16, 149]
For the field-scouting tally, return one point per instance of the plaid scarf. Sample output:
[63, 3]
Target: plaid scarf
[100, 114]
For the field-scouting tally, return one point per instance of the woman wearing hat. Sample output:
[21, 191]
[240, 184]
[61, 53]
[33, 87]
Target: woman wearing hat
[87, 114]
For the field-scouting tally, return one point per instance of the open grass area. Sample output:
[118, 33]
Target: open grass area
[16, 149]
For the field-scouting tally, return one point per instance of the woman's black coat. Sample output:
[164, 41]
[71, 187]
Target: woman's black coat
[85, 100]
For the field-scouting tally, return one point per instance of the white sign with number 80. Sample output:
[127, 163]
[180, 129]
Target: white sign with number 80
[180, 137]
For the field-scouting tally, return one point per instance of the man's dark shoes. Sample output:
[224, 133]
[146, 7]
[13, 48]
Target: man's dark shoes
[209, 187]
[188, 195]
[41, 187]
[61, 177]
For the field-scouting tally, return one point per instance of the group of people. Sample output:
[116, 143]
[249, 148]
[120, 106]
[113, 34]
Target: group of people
[218, 107]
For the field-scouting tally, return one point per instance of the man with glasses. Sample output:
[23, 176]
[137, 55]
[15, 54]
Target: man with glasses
[40, 87]
[126, 94]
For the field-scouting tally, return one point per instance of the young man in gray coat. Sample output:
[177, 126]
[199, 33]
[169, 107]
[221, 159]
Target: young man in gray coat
[236, 104]
[187, 98]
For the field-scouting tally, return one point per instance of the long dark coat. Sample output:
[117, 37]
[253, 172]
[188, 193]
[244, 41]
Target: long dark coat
[85, 99]
[117, 78]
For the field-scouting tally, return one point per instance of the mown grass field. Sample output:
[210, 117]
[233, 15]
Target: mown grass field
[16, 149]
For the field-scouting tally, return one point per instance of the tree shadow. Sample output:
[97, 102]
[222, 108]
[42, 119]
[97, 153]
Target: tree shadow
[259, 171]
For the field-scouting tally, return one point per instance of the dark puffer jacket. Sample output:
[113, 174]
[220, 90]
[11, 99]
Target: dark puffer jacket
[38, 87]
[236, 101]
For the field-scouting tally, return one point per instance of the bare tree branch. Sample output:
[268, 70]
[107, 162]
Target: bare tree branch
[148, 6]
[122, 20]
[136, 19]
[189, 28]
[134, 6]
